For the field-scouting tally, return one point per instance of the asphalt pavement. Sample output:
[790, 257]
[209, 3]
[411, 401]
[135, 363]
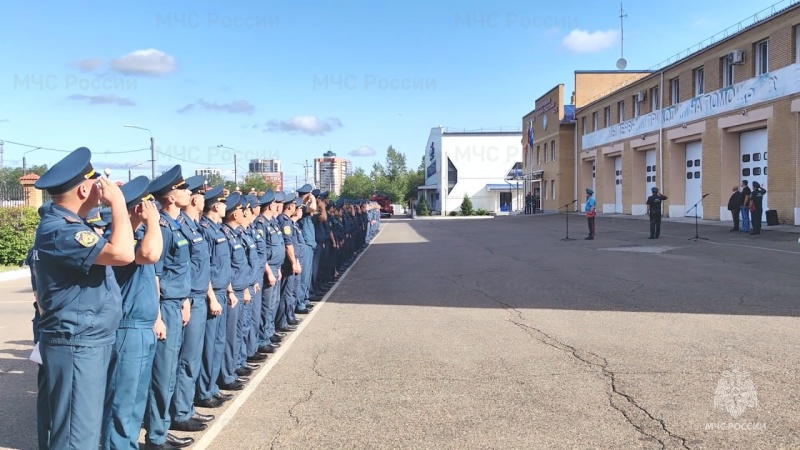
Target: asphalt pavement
[497, 334]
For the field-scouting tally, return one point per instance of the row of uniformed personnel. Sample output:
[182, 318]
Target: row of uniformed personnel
[144, 314]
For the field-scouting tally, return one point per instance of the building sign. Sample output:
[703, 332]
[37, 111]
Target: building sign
[431, 170]
[432, 153]
[769, 86]
[547, 107]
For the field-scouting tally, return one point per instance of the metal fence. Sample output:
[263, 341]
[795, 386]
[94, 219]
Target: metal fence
[11, 195]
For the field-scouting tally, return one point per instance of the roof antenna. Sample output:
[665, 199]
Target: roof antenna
[621, 63]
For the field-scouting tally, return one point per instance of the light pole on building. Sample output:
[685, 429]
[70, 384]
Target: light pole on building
[24, 161]
[131, 167]
[152, 150]
[235, 168]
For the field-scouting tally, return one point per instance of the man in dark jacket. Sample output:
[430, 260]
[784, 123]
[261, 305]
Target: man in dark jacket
[734, 206]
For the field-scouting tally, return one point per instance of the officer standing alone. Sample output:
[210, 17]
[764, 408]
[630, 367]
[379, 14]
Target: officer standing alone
[654, 211]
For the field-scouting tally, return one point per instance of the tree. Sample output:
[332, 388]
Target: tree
[422, 207]
[357, 185]
[466, 206]
[395, 168]
[9, 176]
[256, 182]
[214, 180]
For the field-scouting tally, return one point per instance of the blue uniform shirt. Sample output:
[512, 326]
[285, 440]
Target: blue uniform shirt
[198, 253]
[277, 247]
[251, 250]
[173, 269]
[299, 240]
[306, 224]
[320, 234]
[287, 229]
[219, 253]
[81, 301]
[139, 293]
[261, 235]
[240, 269]
[589, 204]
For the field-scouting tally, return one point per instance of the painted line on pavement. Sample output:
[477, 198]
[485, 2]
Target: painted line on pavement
[709, 242]
[220, 423]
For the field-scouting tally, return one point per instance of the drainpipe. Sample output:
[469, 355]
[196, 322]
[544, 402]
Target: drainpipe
[575, 157]
[661, 135]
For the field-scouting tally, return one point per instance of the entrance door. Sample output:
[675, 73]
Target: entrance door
[753, 162]
[618, 184]
[694, 182]
[594, 178]
[649, 171]
[505, 202]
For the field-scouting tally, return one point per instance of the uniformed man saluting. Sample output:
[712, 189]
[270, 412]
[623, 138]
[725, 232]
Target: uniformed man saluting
[654, 211]
[79, 297]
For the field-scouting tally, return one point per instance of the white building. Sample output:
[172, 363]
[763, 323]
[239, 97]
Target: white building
[485, 165]
[207, 172]
[330, 172]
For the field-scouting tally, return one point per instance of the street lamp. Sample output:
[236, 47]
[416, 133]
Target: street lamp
[24, 161]
[152, 150]
[235, 173]
[131, 167]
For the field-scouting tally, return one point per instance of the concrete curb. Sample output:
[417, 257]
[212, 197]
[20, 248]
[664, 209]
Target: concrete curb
[452, 217]
[14, 275]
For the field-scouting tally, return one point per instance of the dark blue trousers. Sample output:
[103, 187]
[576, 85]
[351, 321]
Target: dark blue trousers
[316, 264]
[213, 349]
[305, 276]
[190, 359]
[76, 390]
[256, 319]
[243, 330]
[165, 371]
[229, 357]
[129, 378]
[289, 284]
[270, 297]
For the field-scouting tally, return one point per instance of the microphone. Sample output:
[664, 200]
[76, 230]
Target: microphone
[575, 201]
[705, 195]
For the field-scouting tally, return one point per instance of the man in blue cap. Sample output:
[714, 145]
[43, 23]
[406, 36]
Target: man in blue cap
[319, 220]
[273, 247]
[240, 280]
[252, 306]
[96, 222]
[257, 231]
[208, 394]
[308, 209]
[174, 281]
[591, 212]
[74, 279]
[290, 271]
[182, 412]
[132, 361]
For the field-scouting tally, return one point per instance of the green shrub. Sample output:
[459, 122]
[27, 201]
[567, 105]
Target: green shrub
[466, 206]
[452, 214]
[422, 208]
[17, 230]
[481, 212]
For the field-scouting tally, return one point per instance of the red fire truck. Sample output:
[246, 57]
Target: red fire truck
[386, 204]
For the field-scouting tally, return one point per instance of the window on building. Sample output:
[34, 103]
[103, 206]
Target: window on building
[538, 156]
[726, 71]
[545, 151]
[621, 111]
[607, 116]
[636, 106]
[552, 150]
[674, 91]
[699, 82]
[594, 121]
[655, 100]
[553, 189]
[583, 126]
[544, 188]
[452, 175]
[796, 43]
[762, 57]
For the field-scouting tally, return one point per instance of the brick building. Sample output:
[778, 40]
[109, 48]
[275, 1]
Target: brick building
[699, 126]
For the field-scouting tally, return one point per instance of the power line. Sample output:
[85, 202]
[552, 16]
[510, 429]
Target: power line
[38, 147]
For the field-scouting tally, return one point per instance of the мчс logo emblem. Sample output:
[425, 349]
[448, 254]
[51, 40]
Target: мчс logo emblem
[735, 393]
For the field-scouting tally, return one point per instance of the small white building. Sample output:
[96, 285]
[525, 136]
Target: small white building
[486, 165]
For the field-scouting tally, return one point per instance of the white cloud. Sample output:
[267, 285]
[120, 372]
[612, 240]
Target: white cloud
[144, 62]
[235, 107]
[103, 100]
[309, 125]
[362, 152]
[88, 64]
[581, 41]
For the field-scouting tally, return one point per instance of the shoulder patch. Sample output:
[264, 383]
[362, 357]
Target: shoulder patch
[181, 219]
[71, 219]
[287, 230]
[204, 224]
[163, 222]
[86, 238]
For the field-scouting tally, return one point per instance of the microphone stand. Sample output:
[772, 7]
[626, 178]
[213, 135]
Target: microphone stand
[696, 227]
[566, 213]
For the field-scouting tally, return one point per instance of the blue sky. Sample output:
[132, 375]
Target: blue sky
[293, 79]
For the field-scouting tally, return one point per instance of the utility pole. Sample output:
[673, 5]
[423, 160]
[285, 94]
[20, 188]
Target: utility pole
[152, 159]
[235, 173]
[307, 167]
[1, 154]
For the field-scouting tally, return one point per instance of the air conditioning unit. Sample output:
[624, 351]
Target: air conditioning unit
[736, 57]
[640, 96]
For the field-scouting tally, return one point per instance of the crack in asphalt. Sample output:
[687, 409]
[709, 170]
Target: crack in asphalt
[636, 415]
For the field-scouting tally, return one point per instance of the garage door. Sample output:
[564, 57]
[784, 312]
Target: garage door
[618, 184]
[694, 181]
[649, 171]
[753, 162]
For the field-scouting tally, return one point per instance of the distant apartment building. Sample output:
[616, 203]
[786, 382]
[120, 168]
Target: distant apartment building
[270, 170]
[208, 172]
[331, 171]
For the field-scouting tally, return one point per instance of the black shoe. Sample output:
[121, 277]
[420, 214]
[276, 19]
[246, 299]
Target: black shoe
[223, 397]
[302, 311]
[257, 357]
[288, 329]
[266, 349]
[235, 386]
[164, 446]
[651, 237]
[203, 418]
[190, 425]
[588, 238]
[178, 442]
[279, 334]
[211, 402]
[251, 366]
[276, 339]
[734, 229]
[242, 380]
[243, 371]
[295, 322]
[316, 298]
